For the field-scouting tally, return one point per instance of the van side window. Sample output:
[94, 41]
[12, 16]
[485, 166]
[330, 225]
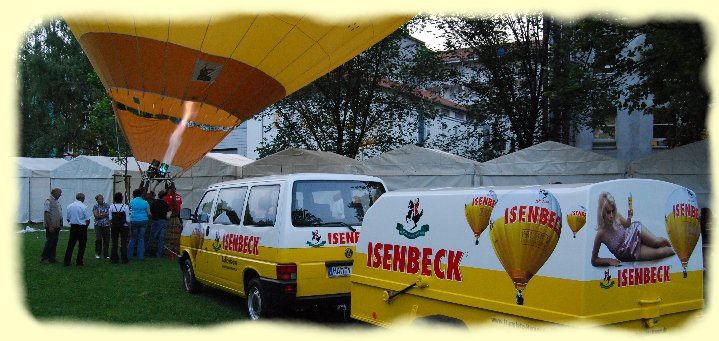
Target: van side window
[230, 202]
[261, 207]
[205, 205]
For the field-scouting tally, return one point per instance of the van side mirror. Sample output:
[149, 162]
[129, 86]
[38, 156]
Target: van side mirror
[203, 218]
[185, 213]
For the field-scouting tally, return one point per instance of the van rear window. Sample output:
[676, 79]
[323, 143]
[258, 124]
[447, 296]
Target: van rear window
[318, 203]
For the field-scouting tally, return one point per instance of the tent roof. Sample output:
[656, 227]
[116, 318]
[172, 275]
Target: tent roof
[30, 166]
[296, 160]
[552, 158]
[691, 159]
[413, 160]
[85, 166]
[217, 165]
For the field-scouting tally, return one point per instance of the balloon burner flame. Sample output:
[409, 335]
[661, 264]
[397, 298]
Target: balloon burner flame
[189, 111]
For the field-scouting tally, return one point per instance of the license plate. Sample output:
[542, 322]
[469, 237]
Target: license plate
[340, 270]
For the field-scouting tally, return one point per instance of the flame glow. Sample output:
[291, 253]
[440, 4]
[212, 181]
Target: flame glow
[189, 111]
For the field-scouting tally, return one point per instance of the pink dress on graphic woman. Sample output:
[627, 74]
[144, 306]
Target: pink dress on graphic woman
[624, 242]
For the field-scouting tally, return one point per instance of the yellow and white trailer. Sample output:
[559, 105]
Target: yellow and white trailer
[622, 252]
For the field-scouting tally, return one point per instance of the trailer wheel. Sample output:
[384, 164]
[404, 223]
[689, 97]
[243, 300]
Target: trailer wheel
[257, 300]
[188, 278]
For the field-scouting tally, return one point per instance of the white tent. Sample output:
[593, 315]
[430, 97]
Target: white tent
[34, 186]
[295, 160]
[213, 168]
[550, 162]
[94, 175]
[687, 165]
[413, 167]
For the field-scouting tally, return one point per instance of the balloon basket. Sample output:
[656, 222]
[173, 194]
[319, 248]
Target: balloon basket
[476, 241]
[520, 298]
[684, 273]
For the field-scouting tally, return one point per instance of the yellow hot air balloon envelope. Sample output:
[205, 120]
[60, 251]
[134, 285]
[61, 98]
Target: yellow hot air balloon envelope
[576, 219]
[525, 229]
[478, 211]
[682, 223]
[209, 75]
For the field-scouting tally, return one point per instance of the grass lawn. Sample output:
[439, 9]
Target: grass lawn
[146, 292]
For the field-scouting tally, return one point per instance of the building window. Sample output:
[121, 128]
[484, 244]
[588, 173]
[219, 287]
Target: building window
[659, 135]
[605, 136]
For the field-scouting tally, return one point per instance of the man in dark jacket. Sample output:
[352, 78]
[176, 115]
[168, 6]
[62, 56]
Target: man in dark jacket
[158, 210]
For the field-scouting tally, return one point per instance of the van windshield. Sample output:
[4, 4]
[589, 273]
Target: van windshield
[319, 203]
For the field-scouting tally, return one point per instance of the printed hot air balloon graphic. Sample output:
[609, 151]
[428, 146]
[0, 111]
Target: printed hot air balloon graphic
[525, 229]
[478, 211]
[682, 223]
[576, 218]
[178, 87]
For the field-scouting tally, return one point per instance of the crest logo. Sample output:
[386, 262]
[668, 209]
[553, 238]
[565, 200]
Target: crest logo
[316, 239]
[217, 244]
[348, 253]
[607, 282]
[414, 214]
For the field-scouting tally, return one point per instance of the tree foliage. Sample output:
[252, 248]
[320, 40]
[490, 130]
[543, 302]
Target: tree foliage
[64, 108]
[368, 105]
[669, 63]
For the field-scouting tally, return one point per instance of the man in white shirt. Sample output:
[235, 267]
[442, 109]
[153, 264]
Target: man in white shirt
[79, 218]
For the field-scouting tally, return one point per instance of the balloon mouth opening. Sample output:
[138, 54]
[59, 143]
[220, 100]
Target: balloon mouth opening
[520, 286]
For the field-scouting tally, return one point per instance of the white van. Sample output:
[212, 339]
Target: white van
[624, 253]
[279, 241]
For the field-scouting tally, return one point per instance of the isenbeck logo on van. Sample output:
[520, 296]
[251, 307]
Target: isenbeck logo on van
[241, 244]
[412, 260]
[316, 240]
[414, 214]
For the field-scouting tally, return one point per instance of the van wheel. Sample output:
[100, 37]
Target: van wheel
[188, 278]
[257, 300]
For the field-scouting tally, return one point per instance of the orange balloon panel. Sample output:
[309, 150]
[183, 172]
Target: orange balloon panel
[234, 66]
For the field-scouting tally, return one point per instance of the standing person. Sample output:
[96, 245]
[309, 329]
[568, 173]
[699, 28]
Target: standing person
[102, 227]
[119, 215]
[79, 219]
[139, 217]
[53, 225]
[174, 200]
[159, 209]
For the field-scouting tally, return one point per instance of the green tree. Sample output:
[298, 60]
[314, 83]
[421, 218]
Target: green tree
[368, 105]
[64, 108]
[667, 66]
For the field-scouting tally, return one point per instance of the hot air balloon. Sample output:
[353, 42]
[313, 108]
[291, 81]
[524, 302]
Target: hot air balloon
[478, 211]
[525, 228]
[682, 223]
[178, 87]
[576, 219]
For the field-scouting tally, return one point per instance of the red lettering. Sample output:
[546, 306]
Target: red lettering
[369, 254]
[552, 224]
[387, 257]
[257, 242]
[398, 261]
[622, 278]
[426, 262]
[647, 278]
[522, 213]
[654, 274]
[351, 237]
[342, 239]
[245, 244]
[377, 257]
[513, 214]
[666, 273]
[438, 263]
[533, 213]
[413, 260]
[453, 273]
[631, 277]
[543, 216]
